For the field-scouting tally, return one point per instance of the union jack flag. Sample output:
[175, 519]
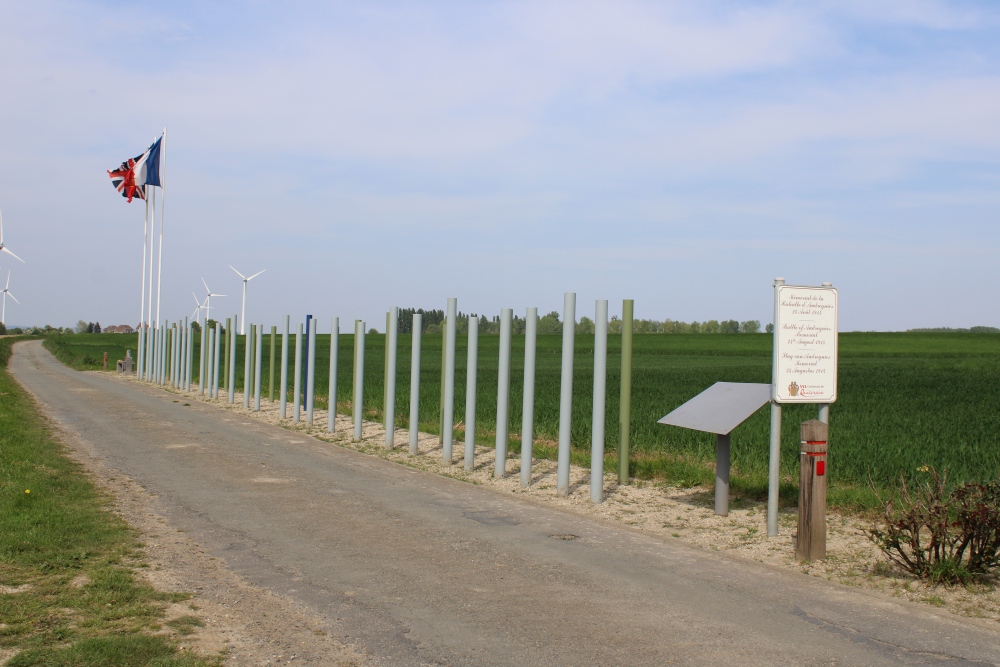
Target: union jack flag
[133, 175]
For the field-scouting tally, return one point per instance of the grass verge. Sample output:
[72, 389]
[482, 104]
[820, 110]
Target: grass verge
[69, 594]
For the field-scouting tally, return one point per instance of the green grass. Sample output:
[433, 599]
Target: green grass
[905, 400]
[83, 605]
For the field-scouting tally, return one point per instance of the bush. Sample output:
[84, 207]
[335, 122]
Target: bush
[941, 536]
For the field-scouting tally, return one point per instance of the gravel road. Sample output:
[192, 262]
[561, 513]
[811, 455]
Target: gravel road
[411, 568]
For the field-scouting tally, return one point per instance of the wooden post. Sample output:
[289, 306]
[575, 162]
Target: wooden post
[811, 542]
[105, 361]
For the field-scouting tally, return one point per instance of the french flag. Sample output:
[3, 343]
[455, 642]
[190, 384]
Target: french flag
[134, 174]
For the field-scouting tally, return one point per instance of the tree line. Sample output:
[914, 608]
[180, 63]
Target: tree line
[433, 321]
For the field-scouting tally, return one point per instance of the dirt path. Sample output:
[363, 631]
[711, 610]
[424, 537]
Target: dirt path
[414, 569]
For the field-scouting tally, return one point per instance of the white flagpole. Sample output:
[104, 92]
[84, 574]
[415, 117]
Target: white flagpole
[152, 231]
[145, 242]
[163, 197]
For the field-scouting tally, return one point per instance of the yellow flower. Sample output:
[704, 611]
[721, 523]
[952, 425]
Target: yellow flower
[27, 490]
[924, 468]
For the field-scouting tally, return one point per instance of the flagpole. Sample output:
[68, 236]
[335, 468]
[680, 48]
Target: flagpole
[163, 197]
[152, 231]
[145, 242]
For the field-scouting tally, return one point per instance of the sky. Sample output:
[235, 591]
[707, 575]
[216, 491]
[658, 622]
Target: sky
[379, 154]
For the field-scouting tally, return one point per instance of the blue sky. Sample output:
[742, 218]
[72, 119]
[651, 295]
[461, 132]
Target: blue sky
[398, 153]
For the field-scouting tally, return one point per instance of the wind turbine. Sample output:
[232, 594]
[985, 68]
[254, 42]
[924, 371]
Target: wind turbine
[208, 300]
[6, 292]
[243, 309]
[3, 248]
[196, 315]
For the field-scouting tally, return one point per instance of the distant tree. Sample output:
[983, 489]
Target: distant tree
[90, 327]
[373, 330]
[81, 327]
[750, 326]
[769, 328]
[585, 325]
[615, 325]
[711, 326]
[17, 330]
[550, 324]
[729, 327]
[3, 329]
[97, 327]
[196, 327]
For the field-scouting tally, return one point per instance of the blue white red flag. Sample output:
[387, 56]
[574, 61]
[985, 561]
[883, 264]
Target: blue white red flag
[134, 174]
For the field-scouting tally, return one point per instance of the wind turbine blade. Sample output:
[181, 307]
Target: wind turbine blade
[13, 297]
[238, 273]
[8, 279]
[196, 299]
[205, 284]
[4, 248]
[220, 295]
[256, 274]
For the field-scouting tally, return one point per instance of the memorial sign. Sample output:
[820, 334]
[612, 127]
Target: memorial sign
[805, 344]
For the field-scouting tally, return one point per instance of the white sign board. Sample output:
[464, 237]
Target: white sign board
[805, 344]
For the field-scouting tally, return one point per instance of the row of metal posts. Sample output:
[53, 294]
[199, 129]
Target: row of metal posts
[169, 351]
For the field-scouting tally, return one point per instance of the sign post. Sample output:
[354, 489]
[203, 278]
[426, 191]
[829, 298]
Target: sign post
[804, 362]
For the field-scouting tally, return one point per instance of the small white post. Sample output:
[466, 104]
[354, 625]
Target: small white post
[216, 361]
[311, 372]
[331, 411]
[190, 355]
[284, 369]
[258, 337]
[528, 405]
[470, 394]
[566, 393]
[774, 463]
[297, 393]
[359, 376]
[418, 322]
[503, 395]
[391, 339]
[449, 381]
[600, 382]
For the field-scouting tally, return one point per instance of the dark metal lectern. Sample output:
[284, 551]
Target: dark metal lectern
[719, 409]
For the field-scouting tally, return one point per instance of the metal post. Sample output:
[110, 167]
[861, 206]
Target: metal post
[305, 359]
[824, 408]
[385, 370]
[251, 340]
[202, 384]
[175, 355]
[418, 322]
[140, 340]
[231, 360]
[359, 376]
[247, 367]
[600, 395]
[225, 371]
[216, 364]
[449, 380]
[270, 377]
[258, 338]
[625, 397]
[503, 395]
[528, 404]
[284, 368]
[566, 393]
[331, 411]
[470, 394]
[444, 366]
[208, 362]
[774, 462]
[391, 340]
[311, 371]
[722, 443]
[190, 355]
[297, 389]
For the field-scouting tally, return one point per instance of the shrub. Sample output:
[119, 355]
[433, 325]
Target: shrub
[939, 535]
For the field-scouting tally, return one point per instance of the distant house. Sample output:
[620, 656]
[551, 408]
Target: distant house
[119, 328]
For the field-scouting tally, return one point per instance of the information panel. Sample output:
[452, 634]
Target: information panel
[805, 344]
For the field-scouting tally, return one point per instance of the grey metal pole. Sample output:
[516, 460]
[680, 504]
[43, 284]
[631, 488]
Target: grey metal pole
[331, 411]
[175, 356]
[284, 368]
[216, 360]
[311, 371]
[600, 396]
[391, 340]
[258, 343]
[297, 388]
[774, 462]
[625, 395]
[190, 355]
[140, 341]
[824, 408]
[566, 393]
[470, 394]
[247, 368]
[359, 376]
[231, 355]
[418, 322]
[207, 344]
[528, 404]
[270, 360]
[202, 363]
[449, 380]
[503, 395]
[722, 474]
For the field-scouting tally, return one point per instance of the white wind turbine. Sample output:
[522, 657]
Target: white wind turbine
[6, 293]
[208, 300]
[4, 248]
[196, 315]
[243, 309]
